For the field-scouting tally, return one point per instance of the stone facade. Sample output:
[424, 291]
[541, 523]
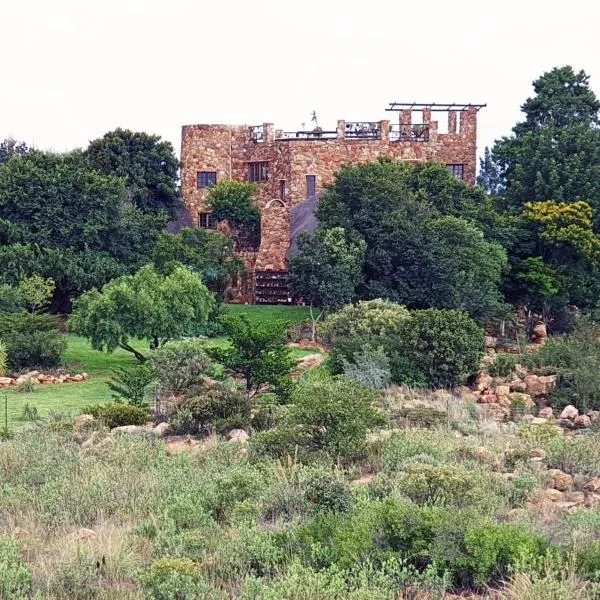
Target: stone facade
[295, 166]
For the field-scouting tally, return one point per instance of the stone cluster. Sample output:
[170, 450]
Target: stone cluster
[43, 378]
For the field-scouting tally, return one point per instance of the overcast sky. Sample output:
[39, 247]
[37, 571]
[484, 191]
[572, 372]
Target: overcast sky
[74, 69]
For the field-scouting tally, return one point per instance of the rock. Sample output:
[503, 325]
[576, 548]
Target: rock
[538, 421]
[21, 379]
[85, 534]
[527, 418]
[565, 505]
[560, 480]
[82, 422]
[592, 484]
[484, 381]
[569, 412]
[162, 429]
[546, 413]
[543, 384]
[32, 374]
[85, 376]
[593, 415]
[76, 377]
[180, 444]
[238, 435]
[490, 341]
[310, 361]
[537, 453]
[6, 381]
[502, 390]
[521, 371]
[554, 495]
[41, 378]
[582, 422]
[566, 423]
[539, 333]
[487, 360]
[578, 497]
[467, 394]
[518, 385]
[134, 430]
[488, 398]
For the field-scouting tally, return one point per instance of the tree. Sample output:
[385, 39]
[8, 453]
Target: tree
[146, 305]
[10, 147]
[209, 253]
[36, 292]
[326, 271]
[61, 219]
[411, 218]
[146, 163]
[258, 353]
[231, 201]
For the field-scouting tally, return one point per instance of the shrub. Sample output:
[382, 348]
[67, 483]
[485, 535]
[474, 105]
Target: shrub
[503, 365]
[221, 408]
[179, 365]
[131, 384]
[421, 416]
[15, 578]
[118, 415]
[3, 359]
[369, 367]
[10, 299]
[440, 348]
[26, 386]
[30, 412]
[325, 494]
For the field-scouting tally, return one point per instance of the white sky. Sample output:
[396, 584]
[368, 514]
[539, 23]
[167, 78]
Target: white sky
[75, 69]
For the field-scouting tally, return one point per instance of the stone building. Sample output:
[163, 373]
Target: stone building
[292, 169]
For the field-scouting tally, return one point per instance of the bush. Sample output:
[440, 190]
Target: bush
[32, 340]
[324, 494]
[421, 416]
[131, 384]
[10, 299]
[503, 365]
[369, 367]
[118, 415]
[179, 365]
[15, 578]
[437, 348]
[220, 408]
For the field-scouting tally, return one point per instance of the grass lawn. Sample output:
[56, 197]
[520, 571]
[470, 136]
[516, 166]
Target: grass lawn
[80, 358]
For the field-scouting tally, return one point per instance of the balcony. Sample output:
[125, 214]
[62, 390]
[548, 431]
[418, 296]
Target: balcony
[409, 133]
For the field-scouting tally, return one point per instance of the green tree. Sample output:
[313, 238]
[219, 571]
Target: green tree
[146, 305]
[60, 219]
[10, 147]
[36, 291]
[209, 253]
[145, 162]
[326, 271]
[258, 353]
[403, 213]
[232, 201]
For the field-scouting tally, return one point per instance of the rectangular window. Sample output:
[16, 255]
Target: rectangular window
[258, 171]
[206, 220]
[282, 189]
[311, 186]
[206, 179]
[457, 170]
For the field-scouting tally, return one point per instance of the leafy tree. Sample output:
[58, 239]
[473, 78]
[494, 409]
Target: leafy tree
[326, 271]
[231, 201]
[258, 353]
[10, 147]
[65, 221]
[209, 253]
[146, 305]
[411, 219]
[36, 291]
[146, 163]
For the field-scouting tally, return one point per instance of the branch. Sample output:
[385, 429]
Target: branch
[141, 358]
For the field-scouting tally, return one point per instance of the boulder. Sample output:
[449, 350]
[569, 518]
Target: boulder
[539, 333]
[566, 423]
[546, 413]
[162, 429]
[6, 381]
[542, 384]
[141, 430]
[538, 421]
[537, 453]
[467, 394]
[502, 390]
[77, 377]
[488, 398]
[582, 422]
[592, 485]
[560, 480]
[593, 415]
[32, 374]
[578, 497]
[565, 505]
[85, 376]
[490, 341]
[569, 412]
[554, 495]
[238, 435]
[518, 385]
[82, 422]
[484, 381]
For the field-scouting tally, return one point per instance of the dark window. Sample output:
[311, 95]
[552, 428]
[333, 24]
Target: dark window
[457, 170]
[258, 171]
[311, 186]
[206, 179]
[206, 220]
[282, 189]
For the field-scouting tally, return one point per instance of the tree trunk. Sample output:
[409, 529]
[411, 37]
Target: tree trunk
[141, 358]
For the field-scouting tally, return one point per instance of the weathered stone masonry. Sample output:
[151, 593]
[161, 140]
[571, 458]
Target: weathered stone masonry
[298, 164]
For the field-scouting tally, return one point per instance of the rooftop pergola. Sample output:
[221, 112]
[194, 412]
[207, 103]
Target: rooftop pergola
[432, 106]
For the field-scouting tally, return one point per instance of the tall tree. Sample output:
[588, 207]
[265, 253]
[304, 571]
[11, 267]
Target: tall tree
[10, 147]
[147, 164]
[326, 271]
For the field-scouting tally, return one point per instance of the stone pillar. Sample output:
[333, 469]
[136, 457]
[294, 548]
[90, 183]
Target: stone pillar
[274, 237]
[405, 116]
[341, 129]
[268, 132]
[452, 121]
[427, 115]
[468, 121]
[384, 131]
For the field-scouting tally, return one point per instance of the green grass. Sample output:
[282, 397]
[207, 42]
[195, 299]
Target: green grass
[80, 358]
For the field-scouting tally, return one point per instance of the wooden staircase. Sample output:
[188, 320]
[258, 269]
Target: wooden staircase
[271, 287]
